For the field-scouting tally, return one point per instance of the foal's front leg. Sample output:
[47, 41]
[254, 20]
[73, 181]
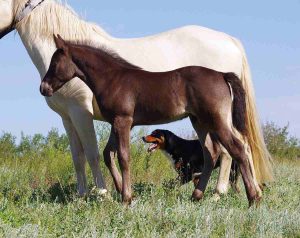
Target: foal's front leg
[109, 155]
[121, 127]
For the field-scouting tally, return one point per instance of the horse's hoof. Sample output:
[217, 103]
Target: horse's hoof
[98, 192]
[197, 195]
[102, 192]
[236, 188]
[216, 197]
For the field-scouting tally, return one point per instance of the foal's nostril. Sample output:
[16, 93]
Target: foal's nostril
[45, 89]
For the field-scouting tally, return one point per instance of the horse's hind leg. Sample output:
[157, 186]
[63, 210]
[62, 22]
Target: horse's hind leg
[109, 153]
[249, 154]
[237, 150]
[250, 160]
[234, 177]
[211, 151]
[223, 179]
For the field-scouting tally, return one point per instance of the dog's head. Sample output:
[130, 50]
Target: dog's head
[157, 140]
[164, 140]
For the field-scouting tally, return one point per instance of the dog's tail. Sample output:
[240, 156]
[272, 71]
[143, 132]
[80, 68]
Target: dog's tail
[239, 102]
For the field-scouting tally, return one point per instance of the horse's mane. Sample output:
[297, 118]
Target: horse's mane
[107, 53]
[53, 17]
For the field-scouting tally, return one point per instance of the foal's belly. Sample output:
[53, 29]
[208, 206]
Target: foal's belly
[145, 117]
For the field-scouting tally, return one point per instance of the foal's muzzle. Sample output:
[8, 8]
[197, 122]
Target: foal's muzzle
[46, 89]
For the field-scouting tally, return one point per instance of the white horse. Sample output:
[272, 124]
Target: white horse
[36, 23]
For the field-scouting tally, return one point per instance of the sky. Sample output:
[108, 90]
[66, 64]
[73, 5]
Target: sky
[269, 31]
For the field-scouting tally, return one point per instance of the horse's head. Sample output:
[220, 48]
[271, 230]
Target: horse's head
[6, 16]
[61, 70]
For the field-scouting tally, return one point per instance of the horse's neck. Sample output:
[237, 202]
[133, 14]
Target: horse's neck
[40, 45]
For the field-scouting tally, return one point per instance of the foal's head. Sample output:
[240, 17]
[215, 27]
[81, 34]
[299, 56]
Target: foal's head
[61, 70]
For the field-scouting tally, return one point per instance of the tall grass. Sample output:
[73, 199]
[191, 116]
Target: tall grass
[38, 195]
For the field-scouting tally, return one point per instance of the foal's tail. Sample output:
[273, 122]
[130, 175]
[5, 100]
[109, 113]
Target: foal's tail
[239, 102]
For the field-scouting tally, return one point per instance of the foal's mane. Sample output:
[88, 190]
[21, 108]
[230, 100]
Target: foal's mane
[107, 53]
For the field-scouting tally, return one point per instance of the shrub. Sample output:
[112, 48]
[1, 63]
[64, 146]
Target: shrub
[8, 146]
[280, 143]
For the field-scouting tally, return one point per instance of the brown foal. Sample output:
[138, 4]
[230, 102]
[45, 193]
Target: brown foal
[129, 96]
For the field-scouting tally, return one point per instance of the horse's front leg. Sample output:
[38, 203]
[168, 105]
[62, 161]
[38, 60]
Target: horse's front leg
[77, 156]
[82, 120]
[109, 154]
[121, 127]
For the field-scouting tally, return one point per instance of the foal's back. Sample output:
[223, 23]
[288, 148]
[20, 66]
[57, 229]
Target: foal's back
[177, 93]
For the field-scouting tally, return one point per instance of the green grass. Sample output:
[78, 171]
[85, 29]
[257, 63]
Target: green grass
[38, 198]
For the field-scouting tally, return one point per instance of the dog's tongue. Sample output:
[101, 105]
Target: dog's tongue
[152, 147]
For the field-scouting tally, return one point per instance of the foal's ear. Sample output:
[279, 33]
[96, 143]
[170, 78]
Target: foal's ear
[59, 42]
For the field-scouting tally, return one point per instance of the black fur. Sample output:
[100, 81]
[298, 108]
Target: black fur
[239, 102]
[191, 154]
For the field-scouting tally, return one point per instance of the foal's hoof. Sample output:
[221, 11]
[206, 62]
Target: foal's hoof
[197, 195]
[256, 201]
[126, 201]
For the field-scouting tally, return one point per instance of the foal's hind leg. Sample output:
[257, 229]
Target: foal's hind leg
[237, 150]
[109, 153]
[211, 151]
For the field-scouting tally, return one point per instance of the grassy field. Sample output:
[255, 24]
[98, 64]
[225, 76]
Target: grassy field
[38, 198]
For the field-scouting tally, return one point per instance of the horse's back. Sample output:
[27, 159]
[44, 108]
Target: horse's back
[180, 47]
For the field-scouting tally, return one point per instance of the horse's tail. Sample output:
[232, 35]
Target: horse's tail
[239, 102]
[261, 156]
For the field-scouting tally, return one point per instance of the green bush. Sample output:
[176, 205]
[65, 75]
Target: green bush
[279, 143]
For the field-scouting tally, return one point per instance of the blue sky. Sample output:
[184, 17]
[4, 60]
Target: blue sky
[269, 31]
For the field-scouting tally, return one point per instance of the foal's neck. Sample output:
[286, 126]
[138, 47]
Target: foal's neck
[94, 67]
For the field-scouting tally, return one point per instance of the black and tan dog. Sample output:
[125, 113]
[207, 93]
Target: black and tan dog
[185, 155]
